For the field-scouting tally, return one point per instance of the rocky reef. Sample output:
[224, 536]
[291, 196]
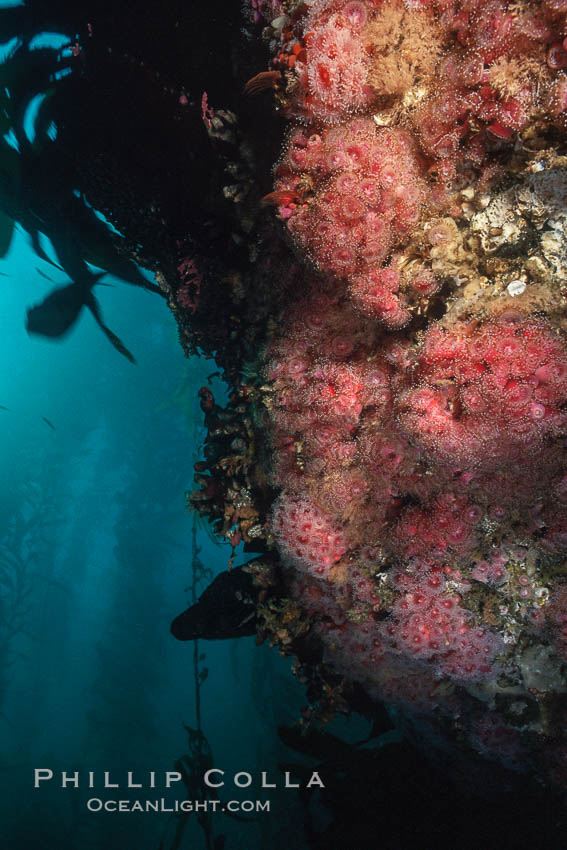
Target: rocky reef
[395, 443]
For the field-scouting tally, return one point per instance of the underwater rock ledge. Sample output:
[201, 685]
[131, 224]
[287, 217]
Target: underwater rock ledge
[394, 447]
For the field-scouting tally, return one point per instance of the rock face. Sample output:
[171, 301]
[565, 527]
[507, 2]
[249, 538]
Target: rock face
[415, 380]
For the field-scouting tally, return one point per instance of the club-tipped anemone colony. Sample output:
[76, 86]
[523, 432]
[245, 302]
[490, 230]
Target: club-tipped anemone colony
[412, 389]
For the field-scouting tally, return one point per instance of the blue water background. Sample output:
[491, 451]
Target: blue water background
[94, 514]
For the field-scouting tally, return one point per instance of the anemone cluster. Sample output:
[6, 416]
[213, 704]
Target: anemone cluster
[416, 379]
[359, 208]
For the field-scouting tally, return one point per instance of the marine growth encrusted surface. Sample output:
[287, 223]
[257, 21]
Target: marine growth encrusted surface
[414, 384]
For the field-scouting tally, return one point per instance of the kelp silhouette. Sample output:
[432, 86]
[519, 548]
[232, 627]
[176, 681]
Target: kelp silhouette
[88, 120]
[26, 567]
[194, 764]
[38, 193]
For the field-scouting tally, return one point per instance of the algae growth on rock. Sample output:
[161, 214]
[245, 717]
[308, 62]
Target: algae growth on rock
[395, 444]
